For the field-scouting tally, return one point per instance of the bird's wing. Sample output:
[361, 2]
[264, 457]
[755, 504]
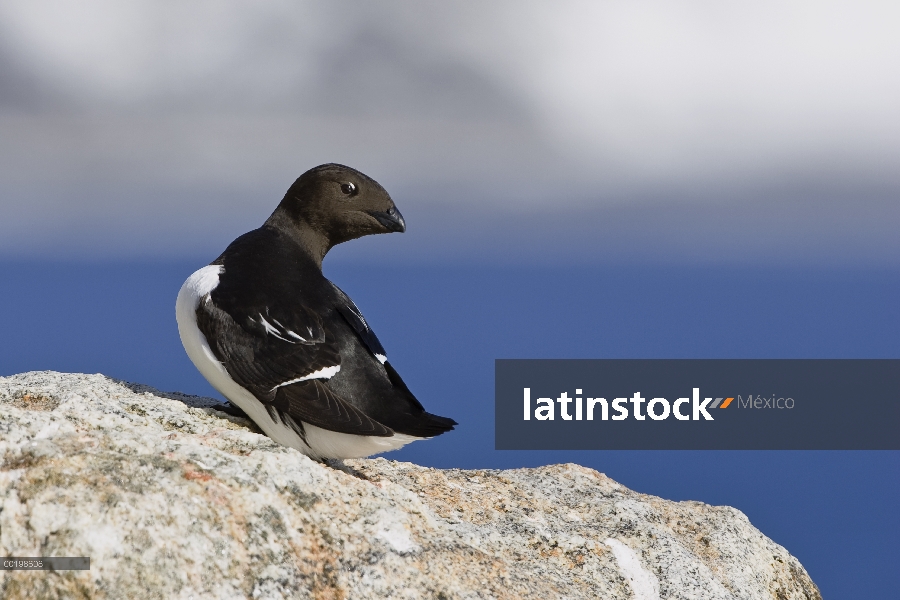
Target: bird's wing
[405, 414]
[351, 313]
[280, 353]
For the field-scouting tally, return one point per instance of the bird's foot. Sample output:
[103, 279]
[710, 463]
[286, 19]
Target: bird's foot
[338, 465]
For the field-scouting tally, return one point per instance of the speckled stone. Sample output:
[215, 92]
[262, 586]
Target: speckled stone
[173, 499]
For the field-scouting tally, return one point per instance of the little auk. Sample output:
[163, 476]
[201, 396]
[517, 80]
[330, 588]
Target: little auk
[286, 345]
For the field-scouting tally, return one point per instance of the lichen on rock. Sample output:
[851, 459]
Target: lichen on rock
[171, 498]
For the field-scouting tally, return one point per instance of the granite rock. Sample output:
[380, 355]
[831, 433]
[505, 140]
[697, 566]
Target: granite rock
[171, 498]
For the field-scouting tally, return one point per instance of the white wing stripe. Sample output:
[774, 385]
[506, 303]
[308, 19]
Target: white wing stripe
[323, 373]
[358, 313]
[271, 330]
[292, 334]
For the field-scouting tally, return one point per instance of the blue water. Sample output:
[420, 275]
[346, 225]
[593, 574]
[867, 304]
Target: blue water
[444, 326]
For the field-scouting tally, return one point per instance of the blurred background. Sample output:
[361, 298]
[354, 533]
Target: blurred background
[579, 179]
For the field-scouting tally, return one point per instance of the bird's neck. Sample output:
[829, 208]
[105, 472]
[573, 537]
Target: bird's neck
[313, 244]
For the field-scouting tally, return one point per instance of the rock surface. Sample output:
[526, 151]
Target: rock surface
[173, 499]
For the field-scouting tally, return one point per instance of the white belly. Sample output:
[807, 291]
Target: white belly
[322, 443]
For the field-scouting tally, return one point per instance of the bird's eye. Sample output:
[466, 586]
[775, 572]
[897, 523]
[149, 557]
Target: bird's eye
[348, 188]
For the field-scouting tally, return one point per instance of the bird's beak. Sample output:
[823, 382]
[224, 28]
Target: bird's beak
[391, 218]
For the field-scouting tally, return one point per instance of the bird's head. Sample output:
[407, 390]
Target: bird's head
[339, 204]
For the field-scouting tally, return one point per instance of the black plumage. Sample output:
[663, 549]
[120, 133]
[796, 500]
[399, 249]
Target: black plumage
[280, 328]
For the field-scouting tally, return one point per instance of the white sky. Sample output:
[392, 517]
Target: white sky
[118, 119]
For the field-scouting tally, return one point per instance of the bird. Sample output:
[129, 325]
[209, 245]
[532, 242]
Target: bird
[287, 346]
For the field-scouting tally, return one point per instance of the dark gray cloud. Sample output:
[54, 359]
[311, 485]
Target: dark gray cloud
[151, 128]
[19, 89]
[375, 75]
